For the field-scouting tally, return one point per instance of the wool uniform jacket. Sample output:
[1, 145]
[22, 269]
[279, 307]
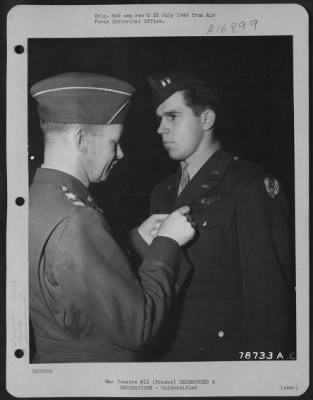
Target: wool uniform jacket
[86, 302]
[240, 296]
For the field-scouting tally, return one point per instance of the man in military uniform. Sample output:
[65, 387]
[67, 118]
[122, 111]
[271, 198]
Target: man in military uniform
[239, 300]
[86, 302]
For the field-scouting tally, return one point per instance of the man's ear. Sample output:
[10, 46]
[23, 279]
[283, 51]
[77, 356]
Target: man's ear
[208, 119]
[82, 139]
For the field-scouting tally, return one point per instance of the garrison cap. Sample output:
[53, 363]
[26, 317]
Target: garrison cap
[85, 98]
[166, 84]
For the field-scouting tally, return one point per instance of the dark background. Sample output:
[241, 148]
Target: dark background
[253, 74]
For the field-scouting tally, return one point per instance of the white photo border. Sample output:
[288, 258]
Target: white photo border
[251, 378]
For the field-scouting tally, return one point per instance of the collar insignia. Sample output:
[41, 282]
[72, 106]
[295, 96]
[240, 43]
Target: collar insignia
[205, 186]
[209, 200]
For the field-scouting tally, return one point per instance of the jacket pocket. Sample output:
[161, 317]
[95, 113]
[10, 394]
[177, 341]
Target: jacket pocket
[214, 244]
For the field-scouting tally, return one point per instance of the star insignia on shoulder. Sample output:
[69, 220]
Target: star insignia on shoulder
[71, 196]
[271, 186]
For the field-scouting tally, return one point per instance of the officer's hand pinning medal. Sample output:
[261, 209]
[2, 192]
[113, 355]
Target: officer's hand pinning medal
[192, 221]
[184, 211]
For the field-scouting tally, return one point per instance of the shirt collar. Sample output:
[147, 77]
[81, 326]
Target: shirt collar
[197, 162]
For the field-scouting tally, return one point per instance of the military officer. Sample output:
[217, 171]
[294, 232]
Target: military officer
[86, 303]
[239, 298]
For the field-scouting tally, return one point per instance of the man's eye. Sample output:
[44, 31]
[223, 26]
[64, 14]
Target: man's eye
[172, 117]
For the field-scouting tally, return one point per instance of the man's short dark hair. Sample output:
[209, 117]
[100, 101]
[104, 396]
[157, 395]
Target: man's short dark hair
[201, 95]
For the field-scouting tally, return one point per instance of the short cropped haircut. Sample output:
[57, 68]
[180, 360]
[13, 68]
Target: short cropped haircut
[50, 126]
[201, 95]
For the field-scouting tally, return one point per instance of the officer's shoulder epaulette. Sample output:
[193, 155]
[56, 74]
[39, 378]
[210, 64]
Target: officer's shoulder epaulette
[71, 198]
[244, 170]
[247, 173]
[74, 203]
[71, 201]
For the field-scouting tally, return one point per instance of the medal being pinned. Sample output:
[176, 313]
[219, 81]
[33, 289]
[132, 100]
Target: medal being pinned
[271, 186]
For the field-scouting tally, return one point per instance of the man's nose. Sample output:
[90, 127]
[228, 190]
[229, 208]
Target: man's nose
[119, 153]
[162, 127]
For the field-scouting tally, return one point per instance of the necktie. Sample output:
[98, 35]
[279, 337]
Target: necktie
[185, 177]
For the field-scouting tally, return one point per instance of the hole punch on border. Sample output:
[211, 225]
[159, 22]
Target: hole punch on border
[19, 49]
[19, 353]
[20, 201]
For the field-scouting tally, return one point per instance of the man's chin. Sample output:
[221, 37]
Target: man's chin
[174, 156]
[102, 178]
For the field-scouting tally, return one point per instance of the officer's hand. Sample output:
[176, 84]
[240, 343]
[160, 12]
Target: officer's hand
[178, 226]
[149, 228]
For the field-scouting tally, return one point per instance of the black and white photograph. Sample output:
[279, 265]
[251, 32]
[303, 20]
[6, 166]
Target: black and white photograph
[237, 292]
[162, 215]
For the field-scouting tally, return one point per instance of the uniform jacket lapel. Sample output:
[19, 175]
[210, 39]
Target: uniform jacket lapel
[168, 196]
[206, 179]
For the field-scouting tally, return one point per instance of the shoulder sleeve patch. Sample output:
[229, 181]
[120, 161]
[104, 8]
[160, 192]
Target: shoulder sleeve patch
[271, 186]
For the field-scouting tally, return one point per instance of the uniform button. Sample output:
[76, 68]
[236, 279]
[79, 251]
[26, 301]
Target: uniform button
[204, 223]
[220, 334]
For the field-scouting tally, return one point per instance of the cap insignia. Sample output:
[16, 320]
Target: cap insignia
[165, 82]
[271, 186]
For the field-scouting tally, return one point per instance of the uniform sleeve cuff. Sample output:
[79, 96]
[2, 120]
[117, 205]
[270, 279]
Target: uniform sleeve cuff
[165, 250]
[138, 243]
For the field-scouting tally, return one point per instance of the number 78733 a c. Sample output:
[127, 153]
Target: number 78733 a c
[260, 355]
